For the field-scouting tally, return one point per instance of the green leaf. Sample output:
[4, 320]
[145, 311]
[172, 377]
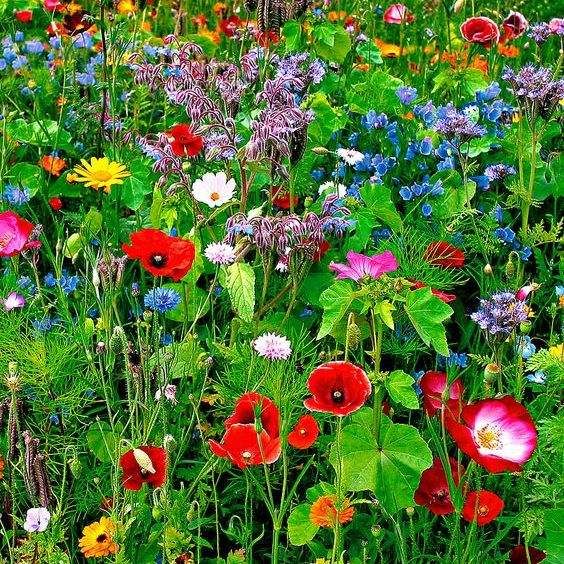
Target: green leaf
[400, 387]
[553, 544]
[102, 441]
[28, 176]
[194, 303]
[331, 42]
[370, 53]
[300, 529]
[384, 310]
[378, 91]
[392, 469]
[327, 119]
[133, 192]
[43, 133]
[91, 224]
[240, 283]
[335, 302]
[427, 312]
[292, 33]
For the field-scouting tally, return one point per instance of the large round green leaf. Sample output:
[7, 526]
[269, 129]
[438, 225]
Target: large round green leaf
[391, 469]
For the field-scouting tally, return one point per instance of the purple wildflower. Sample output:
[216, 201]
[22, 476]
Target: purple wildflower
[37, 520]
[498, 171]
[540, 32]
[456, 124]
[501, 314]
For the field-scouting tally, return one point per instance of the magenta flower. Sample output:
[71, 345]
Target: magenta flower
[360, 266]
[14, 301]
[15, 233]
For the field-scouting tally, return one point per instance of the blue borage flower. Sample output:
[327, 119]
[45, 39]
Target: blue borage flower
[67, 283]
[16, 195]
[161, 300]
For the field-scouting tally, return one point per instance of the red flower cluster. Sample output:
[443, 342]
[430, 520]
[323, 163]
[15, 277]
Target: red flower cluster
[252, 433]
[143, 465]
[160, 254]
[24, 16]
[433, 491]
[183, 141]
[282, 199]
[337, 387]
[484, 31]
[444, 296]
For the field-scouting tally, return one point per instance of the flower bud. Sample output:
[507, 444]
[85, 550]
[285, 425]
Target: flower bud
[525, 327]
[321, 151]
[488, 270]
[118, 340]
[410, 511]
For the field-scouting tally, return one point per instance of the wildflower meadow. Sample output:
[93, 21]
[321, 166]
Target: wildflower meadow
[281, 281]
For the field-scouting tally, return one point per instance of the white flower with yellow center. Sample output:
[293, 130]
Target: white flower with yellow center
[214, 189]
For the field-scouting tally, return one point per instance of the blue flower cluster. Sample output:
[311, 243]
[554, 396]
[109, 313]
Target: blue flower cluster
[66, 282]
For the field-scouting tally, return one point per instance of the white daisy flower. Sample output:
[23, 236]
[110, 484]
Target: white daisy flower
[331, 187]
[213, 189]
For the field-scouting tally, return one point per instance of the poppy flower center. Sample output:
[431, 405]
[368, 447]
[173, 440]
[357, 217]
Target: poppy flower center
[214, 196]
[303, 432]
[158, 260]
[102, 538]
[483, 510]
[489, 437]
[440, 496]
[338, 396]
[246, 454]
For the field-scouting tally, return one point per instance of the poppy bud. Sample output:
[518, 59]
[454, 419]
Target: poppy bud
[488, 270]
[321, 151]
[118, 342]
[147, 315]
[458, 5]
[410, 511]
[353, 335]
[510, 267]
[491, 371]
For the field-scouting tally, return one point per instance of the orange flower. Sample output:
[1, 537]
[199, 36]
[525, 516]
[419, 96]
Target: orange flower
[219, 8]
[509, 51]
[336, 16]
[52, 164]
[98, 539]
[325, 513]
[2, 465]
[126, 7]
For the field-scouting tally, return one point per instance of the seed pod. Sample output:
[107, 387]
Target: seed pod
[298, 142]
[510, 268]
[488, 270]
[41, 480]
[353, 335]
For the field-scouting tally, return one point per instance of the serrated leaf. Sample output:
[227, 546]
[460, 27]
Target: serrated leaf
[427, 312]
[240, 282]
[392, 469]
[400, 387]
[335, 302]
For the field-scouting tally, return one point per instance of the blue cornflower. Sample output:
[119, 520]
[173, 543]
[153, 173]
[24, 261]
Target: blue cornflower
[15, 195]
[54, 419]
[69, 283]
[406, 94]
[49, 280]
[166, 339]
[539, 377]
[318, 174]
[426, 209]
[162, 300]
[525, 346]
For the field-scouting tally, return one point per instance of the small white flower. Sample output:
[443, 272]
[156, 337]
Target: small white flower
[220, 253]
[272, 346]
[213, 189]
[14, 301]
[169, 392]
[350, 156]
[331, 187]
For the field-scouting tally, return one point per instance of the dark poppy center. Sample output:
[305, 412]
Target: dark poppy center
[102, 538]
[158, 260]
[338, 396]
[144, 472]
[441, 495]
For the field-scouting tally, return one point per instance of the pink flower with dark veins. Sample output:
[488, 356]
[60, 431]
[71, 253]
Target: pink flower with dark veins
[361, 266]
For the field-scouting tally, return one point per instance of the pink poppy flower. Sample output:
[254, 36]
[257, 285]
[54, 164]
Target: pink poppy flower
[398, 14]
[433, 385]
[15, 234]
[360, 266]
[52, 5]
[514, 25]
[13, 301]
[499, 434]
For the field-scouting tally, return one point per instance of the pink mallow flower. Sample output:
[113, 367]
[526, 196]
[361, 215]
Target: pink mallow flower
[499, 434]
[15, 234]
[523, 293]
[13, 301]
[360, 266]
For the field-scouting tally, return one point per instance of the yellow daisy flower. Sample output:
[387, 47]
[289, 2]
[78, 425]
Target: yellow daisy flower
[100, 173]
[557, 351]
[97, 539]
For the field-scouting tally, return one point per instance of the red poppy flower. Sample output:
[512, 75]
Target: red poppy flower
[338, 387]
[444, 296]
[441, 253]
[433, 491]
[160, 254]
[480, 30]
[324, 246]
[514, 25]
[305, 432]
[229, 25]
[24, 16]
[183, 141]
[251, 407]
[518, 555]
[143, 465]
[482, 507]
[245, 446]
[499, 434]
[281, 198]
[266, 38]
[56, 204]
[433, 385]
